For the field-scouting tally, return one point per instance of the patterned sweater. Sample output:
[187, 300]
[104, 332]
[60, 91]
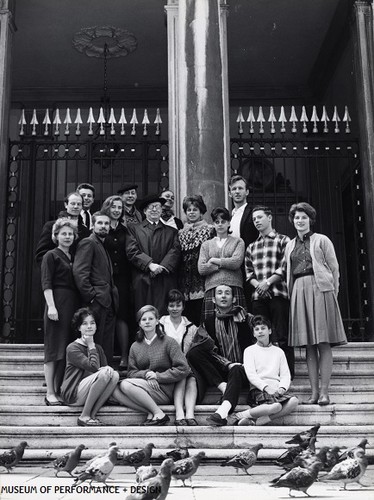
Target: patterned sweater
[231, 256]
[164, 357]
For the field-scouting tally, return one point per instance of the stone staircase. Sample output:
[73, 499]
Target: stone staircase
[51, 430]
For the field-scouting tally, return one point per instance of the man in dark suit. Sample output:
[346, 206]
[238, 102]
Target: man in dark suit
[93, 274]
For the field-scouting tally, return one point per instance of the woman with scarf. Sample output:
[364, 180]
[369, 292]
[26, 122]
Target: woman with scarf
[195, 231]
[167, 216]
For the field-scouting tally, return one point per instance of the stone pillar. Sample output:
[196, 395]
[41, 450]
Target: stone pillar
[7, 28]
[199, 139]
[364, 69]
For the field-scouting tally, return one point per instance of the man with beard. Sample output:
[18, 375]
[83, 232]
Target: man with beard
[93, 274]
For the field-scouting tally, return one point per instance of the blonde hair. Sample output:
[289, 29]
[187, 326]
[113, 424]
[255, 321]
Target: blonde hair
[62, 222]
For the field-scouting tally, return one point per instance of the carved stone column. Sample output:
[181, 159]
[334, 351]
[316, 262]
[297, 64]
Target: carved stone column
[364, 66]
[7, 28]
[199, 139]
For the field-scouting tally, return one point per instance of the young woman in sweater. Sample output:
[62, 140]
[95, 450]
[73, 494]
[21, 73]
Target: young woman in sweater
[220, 262]
[156, 364]
[267, 371]
[312, 273]
[88, 380]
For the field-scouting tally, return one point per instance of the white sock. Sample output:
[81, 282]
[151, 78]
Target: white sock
[223, 409]
[244, 414]
[222, 387]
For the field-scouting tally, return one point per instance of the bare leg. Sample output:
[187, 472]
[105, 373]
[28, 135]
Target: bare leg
[95, 392]
[260, 411]
[179, 393]
[190, 397]
[142, 398]
[325, 366]
[125, 401]
[287, 408]
[122, 332]
[49, 373]
[107, 392]
[312, 364]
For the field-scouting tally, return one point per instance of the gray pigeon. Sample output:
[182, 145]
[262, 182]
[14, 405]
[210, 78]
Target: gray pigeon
[289, 456]
[183, 469]
[100, 469]
[69, 461]
[178, 454]
[139, 457]
[332, 458]
[157, 487]
[303, 436]
[361, 446]
[100, 455]
[244, 460]
[145, 472]
[350, 470]
[298, 479]
[10, 459]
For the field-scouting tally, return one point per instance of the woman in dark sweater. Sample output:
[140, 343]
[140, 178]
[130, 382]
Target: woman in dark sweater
[88, 380]
[156, 363]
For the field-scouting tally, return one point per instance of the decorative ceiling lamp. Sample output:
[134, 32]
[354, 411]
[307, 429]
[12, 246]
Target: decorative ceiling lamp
[92, 41]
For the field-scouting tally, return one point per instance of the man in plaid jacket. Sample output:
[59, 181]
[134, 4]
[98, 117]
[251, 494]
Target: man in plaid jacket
[263, 261]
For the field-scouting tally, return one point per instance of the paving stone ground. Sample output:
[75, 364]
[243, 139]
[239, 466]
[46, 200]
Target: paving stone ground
[211, 482]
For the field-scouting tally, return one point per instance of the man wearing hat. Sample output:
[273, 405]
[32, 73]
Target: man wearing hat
[153, 250]
[129, 195]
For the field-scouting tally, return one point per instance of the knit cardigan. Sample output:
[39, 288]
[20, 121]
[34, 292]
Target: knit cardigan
[324, 261]
[231, 256]
[164, 357]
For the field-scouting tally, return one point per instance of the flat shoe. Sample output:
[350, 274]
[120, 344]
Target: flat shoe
[159, 421]
[180, 422]
[323, 401]
[191, 421]
[310, 401]
[52, 403]
[246, 421]
[91, 422]
[216, 420]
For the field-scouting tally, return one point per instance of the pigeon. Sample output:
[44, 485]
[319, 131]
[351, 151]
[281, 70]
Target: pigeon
[304, 436]
[244, 460]
[289, 456]
[350, 470]
[298, 479]
[157, 487]
[10, 459]
[139, 457]
[145, 472]
[178, 453]
[299, 459]
[69, 461]
[185, 468]
[100, 455]
[332, 458]
[361, 446]
[100, 469]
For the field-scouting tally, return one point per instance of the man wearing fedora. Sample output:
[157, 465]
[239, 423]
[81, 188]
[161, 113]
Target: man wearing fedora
[153, 250]
[129, 195]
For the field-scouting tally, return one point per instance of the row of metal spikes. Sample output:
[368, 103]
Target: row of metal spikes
[102, 121]
[293, 119]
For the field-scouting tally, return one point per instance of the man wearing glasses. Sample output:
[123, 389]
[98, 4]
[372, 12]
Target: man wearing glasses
[153, 250]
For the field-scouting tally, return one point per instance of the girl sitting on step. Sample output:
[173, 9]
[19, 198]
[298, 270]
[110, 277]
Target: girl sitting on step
[269, 376]
[88, 380]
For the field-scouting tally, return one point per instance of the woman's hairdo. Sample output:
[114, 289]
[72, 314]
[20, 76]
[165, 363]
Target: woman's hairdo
[303, 207]
[160, 332]
[175, 296]
[79, 316]
[62, 222]
[105, 208]
[196, 200]
[220, 212]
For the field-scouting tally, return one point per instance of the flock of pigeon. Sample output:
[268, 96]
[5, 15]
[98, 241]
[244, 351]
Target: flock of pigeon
[302, 463]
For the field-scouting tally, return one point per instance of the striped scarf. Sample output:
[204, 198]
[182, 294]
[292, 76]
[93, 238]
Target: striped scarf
[227, 336]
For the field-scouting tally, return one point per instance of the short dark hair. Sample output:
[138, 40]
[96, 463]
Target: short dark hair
[79, 316]
[98, 214]
[75, 193]
[175, 295]
[260, 320]
[160, 332]
[236, 178]
[105, 208]
[262, 208]
[220, 212]
[85, 185]
[302, 207]
[196, 200]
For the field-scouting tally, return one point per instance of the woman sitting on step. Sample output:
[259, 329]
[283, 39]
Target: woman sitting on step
[156, 363]
[88, 380]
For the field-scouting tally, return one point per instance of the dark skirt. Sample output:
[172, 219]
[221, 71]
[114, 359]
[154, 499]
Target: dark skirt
[58, 334]
[126, 307]
[257, 398]
[314, 315]
[209, 306]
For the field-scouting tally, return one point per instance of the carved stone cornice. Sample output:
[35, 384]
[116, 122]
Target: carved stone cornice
[91, 41]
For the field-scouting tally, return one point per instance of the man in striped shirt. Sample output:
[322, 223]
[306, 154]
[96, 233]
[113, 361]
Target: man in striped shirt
[263, 260]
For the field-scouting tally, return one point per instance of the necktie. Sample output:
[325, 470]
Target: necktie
[86, 218]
